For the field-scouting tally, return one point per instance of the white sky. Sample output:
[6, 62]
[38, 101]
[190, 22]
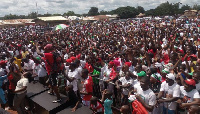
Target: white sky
[23, 7]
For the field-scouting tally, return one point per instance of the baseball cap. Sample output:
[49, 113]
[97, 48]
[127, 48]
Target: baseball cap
[166, 70]
[69, 60]
[38, 58]
[193, 55]
[190, 82]
[170, 76]
[141, 74]
[2, 62]
[48, 46]
[128, 64]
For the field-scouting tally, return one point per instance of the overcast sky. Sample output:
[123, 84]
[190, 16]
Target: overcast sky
[23, 7]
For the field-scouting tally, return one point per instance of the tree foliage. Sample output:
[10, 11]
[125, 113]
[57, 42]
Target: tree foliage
[126, 12]
[93, 11]
[69, 13]
[123, 12]
[140, 9]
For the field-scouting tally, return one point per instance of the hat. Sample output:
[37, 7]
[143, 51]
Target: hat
[193, 55]
[128, 64]
[69, 60]
[111, 63]
[38, 58]
[2, 62]
[190, 73]
[99, 60]
[73, 58]
[175, 47]
[190, 82]
[116, 62]
[141, 74]
[157, 76]
[166, 70]
[170, 76]
[48, 46]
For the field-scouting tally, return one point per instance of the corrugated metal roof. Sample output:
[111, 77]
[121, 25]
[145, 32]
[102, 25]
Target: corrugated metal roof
[52, 18]
[88, 18]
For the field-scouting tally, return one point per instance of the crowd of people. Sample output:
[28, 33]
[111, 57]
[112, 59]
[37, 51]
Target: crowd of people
[132, 66]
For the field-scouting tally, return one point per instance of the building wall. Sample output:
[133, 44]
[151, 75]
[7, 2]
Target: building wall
[40, 22]
[190, 14]
[51, 23]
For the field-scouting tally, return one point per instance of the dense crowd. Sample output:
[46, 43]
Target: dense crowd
[133, 66]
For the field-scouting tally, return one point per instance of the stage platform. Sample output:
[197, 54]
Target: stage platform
[80, 110]
[35, 89]
[40, 99]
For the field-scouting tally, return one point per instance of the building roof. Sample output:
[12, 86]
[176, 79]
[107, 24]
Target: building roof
[52, 18]
[141, 15]
[190, 10]
[88, 18]
[16, 21]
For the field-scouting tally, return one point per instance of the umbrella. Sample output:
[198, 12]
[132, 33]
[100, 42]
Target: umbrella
[60, 27]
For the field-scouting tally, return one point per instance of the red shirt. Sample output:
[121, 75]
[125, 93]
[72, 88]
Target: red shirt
[48, 62]
[88, 87]
[113, 74]
[98, 108]
[89, 67]
[11, 84]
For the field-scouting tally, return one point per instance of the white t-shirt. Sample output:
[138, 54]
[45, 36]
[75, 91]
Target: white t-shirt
[173, 91]
[39, 70]
[189, 95]
[198, 87]
[105, 73]
[148, 96]
[79, 70]
[124, 81]
[73, 74]
[66, 56]
[20, 84]
[29, 65]
[82, 63]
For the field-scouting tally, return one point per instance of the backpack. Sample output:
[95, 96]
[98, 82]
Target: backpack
[58, 65]
[138, 108]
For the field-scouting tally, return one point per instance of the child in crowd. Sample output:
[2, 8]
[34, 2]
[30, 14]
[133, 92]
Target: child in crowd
[108, 101]
[96, 106]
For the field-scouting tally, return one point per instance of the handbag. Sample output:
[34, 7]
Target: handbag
[138, 108]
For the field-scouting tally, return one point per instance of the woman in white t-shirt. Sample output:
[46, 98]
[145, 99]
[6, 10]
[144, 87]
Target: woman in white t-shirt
[190, 96]
[20, 92]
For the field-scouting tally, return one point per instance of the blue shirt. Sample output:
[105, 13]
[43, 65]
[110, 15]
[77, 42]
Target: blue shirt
[107, 106]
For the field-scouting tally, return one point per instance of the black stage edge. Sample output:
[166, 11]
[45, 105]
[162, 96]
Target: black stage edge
[39, 96]
[35, 89]
[42, 101]
[81, 110]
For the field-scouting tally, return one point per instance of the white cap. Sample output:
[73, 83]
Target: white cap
[170, 76]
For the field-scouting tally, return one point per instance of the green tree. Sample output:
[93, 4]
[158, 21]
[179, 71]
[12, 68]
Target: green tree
[196, 7]
[140, 9]
[56, 14]
[102, 12]
[150, 12]
[93, 11]
[183, 8]
[32, 15]
[69, 13]
[126, 12]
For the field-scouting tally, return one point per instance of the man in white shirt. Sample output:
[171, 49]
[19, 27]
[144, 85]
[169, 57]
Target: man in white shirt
[196, 77]
[126, 83]
[145, 95]
[190, 96]
[72, 77]
[28, 64]
[170, 91]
